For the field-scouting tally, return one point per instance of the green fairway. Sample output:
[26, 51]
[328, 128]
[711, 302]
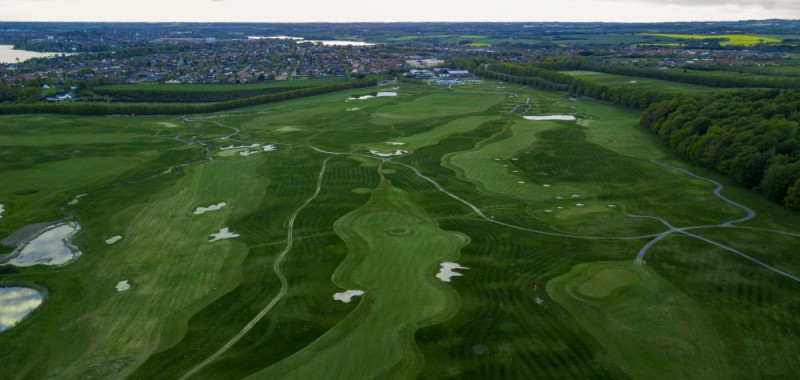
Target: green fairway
[394, 249]
[328, 195]
[642, 321]
[615, 80]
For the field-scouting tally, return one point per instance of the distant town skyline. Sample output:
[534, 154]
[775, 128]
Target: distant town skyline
[409, 10]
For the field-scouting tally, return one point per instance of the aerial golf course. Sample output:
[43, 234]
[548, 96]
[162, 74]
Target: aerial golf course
[425, 232]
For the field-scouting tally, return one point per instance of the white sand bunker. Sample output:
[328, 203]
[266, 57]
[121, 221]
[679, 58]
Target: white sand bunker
[612, 206]
[550, 117]
[249, 153]
[448, 270]
[268, 148]
[203, 210]
[378, 95]
[76, 199]
[580, 204]
[520, 182]
[396, 143]
[347, 296]
[224, 233]
[113, 240]
[396, 153]
[229, 147]
[2, 210]
[576, 196]
[546, 185]
[123, 286]
[548, 211]
[353, 109]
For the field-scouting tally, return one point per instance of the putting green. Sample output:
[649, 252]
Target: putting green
[645, 323]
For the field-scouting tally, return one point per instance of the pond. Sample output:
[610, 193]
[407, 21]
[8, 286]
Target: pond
[50, 247]
[9, 55]
[15, 304]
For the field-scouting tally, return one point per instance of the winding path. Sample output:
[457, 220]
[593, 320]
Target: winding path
[728, 224]
[277, 269]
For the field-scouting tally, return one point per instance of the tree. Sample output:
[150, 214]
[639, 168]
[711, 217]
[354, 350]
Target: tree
[792, 199]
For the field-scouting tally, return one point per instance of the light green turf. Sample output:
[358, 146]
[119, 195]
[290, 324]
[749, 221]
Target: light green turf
[484, 165]
[394, 251]
[646, 324]
[439, 104]
[615, 80]
[432, 136]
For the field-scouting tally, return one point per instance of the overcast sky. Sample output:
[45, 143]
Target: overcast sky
[406, 10]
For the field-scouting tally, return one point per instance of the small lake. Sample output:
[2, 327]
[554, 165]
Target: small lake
[16, 304]
[51, 247]
[9, 55]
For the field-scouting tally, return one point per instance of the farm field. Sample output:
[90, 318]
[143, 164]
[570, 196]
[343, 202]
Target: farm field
[727, 39]
[642, 83]
[433, 234]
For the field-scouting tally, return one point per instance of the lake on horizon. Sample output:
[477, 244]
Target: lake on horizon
[9, 55]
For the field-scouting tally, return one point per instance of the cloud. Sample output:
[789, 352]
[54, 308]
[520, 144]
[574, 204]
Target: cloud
[766, 4]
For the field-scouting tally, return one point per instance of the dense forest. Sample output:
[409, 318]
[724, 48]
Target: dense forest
[106, 108]
[750, 136]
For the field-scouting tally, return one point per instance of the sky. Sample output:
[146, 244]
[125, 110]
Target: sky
[391, 11]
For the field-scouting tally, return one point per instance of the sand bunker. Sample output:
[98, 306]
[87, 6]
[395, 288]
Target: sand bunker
[249, 153]
[16, 304]
[548, 211]
[576, 195]
[224, 233]
[520, 181]
[268, 148]
[377, 95]
[612, 206]
[396, 153]
[550, 117]
[229, 147]
[546, 185]
[76, 199]
[347, 296]
[353, 109]
[580, 204]
[50, 247]
[203, 210]
[396, 143]
[123, 286]
[448, 270]
[113, 240]
[2, 210]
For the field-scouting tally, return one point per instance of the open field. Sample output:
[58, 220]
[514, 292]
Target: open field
[539, 213]
[641, 83]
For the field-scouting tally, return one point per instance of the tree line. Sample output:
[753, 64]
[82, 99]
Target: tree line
[170, 96]
[751, 136]
[546, 79]
[107, 108]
